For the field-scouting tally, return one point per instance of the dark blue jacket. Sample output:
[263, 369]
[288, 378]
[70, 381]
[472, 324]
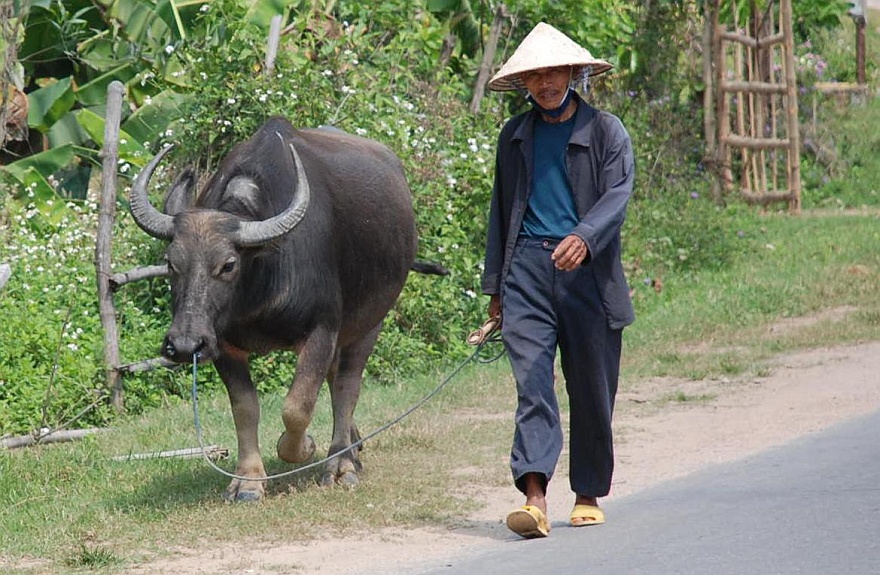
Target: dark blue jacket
[600, 168]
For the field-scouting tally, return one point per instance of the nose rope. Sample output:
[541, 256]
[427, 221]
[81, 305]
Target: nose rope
[474, 357]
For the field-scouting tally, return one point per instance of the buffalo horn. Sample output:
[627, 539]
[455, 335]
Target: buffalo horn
[150, 219]
[252, 234]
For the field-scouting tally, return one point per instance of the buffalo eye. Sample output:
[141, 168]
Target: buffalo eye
[228, 267]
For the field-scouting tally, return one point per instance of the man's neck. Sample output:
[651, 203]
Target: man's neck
[566, 115]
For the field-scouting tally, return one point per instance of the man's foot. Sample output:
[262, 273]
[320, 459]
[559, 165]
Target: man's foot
[528, 521]
[586, 512]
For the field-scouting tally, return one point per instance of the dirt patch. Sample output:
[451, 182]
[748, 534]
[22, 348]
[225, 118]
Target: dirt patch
[667, 429]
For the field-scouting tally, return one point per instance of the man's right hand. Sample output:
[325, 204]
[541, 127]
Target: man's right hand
[495, 305]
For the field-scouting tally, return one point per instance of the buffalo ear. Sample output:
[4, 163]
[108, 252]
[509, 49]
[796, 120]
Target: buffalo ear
[180, 197]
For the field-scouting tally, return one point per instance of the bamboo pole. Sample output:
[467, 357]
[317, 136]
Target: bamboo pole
[794, 154]
[710, 123]
[758, 102]
[214, 452]
[103, 248]
[744, 180]
[721, 98]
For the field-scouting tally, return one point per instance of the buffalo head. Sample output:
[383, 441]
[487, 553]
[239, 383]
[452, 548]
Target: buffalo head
[206, 252]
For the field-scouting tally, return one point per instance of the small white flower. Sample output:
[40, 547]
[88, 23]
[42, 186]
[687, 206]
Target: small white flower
[169, 49]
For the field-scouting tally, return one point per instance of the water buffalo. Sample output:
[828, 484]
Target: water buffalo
[302, 240]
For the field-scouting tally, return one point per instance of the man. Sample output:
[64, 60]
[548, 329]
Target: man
[563, 176]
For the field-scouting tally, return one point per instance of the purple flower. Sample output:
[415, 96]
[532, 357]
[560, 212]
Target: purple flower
[694, 195]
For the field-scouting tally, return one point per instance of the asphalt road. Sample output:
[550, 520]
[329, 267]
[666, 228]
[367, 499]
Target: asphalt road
[809, 507]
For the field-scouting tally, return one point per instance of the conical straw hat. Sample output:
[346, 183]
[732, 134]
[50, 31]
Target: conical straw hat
[545, 47]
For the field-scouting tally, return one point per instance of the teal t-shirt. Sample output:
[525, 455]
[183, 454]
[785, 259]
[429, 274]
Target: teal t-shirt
[551, 213]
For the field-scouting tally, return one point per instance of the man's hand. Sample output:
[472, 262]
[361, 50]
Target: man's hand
[570, 253]
[495, 306]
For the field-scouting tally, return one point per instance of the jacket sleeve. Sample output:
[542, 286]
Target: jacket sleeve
[491, 282]
[602, 223]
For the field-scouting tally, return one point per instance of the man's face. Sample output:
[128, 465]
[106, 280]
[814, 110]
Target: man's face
[547, 85]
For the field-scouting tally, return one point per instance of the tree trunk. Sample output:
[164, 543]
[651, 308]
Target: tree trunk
[488, 58]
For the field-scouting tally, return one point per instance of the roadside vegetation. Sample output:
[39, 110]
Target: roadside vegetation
[708, 281]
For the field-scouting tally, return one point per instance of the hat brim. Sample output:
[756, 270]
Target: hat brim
[513, 80]
[546, 47]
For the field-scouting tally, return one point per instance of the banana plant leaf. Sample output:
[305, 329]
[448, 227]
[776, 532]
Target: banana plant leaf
[140, 20]
[94, 93]
[67, 131]
[131, 151]
[45, 163]
[149, 121]
[47, 105]
[36, 189]
[261, 12]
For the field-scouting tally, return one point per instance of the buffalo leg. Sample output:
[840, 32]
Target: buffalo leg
[345, 386]
[313, 363]
[235, 373]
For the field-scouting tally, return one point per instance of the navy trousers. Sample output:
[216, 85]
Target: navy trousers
[545, 308]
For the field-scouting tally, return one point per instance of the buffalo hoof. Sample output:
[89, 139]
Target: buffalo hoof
[347, 479]
[290, 452]
[244, 492]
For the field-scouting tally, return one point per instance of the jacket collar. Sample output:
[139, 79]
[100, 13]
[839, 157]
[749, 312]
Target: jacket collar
[581, 134]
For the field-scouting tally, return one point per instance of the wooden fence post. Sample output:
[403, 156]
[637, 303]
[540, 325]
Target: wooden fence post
[103, 251]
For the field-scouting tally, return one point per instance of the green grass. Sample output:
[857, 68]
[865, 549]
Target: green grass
[802, 265]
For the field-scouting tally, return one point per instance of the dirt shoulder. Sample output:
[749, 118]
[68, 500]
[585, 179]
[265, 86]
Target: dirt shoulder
[659, 437]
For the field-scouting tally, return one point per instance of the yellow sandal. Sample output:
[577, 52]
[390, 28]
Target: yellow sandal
[586, 515]
[528, 521]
